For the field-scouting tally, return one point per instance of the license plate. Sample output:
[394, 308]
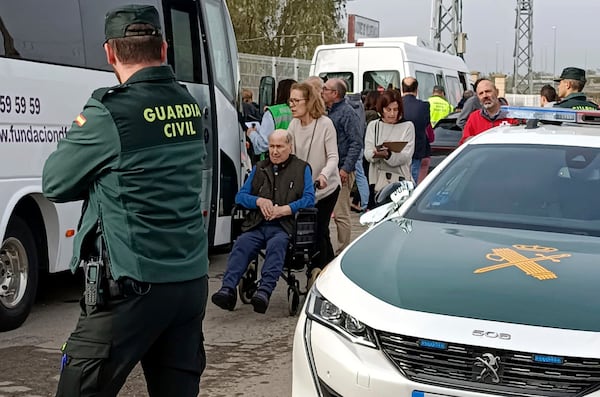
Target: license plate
[417, 393]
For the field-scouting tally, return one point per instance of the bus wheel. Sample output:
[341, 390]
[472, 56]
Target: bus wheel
[18, 274]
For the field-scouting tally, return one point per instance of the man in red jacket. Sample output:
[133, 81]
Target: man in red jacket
[490, 114]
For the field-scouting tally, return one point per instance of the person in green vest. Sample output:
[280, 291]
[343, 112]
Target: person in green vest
[275, 117]
[439, 107]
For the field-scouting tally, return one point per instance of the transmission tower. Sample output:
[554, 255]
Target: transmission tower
[446, 27]
[523, 53]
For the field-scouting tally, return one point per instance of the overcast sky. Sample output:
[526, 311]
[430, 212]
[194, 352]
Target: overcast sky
[490, 28]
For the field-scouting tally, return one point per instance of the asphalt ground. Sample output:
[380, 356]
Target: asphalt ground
[248, 354]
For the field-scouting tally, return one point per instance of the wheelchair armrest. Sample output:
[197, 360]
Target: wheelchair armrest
[237, 209]
[305, 212]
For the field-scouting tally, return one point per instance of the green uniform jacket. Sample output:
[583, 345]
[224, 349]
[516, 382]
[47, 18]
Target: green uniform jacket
[577, 101]
[136, 154]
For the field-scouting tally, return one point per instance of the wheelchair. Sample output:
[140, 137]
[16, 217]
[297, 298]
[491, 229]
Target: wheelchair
[301, 250]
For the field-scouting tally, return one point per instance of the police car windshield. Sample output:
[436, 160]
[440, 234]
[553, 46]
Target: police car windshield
[533, 187]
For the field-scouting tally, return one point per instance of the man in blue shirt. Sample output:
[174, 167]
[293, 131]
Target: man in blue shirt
[350, 140]
[275, 190]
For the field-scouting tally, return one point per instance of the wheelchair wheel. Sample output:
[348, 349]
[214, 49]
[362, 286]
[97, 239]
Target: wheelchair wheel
[293, 299]
[247, 286]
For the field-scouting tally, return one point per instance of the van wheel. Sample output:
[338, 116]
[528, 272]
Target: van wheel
[18, 274]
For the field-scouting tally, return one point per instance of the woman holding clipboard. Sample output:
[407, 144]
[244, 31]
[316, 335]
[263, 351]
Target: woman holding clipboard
[389, 143]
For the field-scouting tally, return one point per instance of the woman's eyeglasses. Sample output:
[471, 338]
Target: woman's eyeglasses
[295, 101]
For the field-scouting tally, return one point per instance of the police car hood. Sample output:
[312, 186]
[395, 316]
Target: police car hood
[508, 275]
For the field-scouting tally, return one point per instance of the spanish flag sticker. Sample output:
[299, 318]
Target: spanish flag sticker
[80, 120]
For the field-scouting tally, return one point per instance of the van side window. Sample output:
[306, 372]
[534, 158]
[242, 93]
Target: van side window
[426, 83]
[381, 78]
[453, 91]
[29, 32]
[462, 76]
[348, 77]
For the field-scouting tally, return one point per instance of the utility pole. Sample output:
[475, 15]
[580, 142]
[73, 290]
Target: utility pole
[523, 53]
[446, 27]
[554, 51]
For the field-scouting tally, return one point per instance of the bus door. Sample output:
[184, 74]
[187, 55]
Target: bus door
[227, 139]
[187, 56]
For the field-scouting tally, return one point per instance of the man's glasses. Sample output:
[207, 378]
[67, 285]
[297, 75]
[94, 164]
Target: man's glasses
[295, 101]
[328, 89]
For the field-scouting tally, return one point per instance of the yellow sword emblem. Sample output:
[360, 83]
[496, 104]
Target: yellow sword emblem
[529, 266]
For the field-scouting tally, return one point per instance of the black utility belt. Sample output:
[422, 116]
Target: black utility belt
[100, 287]
[127, 287]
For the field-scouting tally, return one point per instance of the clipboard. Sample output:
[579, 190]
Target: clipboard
[395, 147]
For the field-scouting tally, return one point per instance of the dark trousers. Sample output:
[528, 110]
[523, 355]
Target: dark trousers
[162, 329]
[325, 207]
[246, 247]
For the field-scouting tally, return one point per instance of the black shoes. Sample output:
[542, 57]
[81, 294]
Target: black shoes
[260, 301]
[226, 298]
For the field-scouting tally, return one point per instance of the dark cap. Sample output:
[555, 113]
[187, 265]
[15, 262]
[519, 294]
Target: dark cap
[117, 22]
[572, 74]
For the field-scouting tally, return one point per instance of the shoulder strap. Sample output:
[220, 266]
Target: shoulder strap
[100, 93]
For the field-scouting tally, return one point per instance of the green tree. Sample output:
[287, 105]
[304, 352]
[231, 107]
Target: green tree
[286, 28]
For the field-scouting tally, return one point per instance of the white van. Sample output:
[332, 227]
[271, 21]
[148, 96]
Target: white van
[371, 64]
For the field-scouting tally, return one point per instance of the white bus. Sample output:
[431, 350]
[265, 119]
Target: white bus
[371, 64]
[51, 60]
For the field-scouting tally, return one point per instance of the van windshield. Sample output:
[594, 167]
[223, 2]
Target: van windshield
[348, 77]
[381, 79]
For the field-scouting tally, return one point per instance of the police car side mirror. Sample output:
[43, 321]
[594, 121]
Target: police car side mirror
[395, 194]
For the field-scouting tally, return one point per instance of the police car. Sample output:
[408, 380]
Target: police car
[484, 282]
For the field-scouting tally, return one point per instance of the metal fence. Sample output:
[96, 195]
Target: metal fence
[253, 67]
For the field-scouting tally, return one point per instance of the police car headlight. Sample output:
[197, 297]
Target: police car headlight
[326, 313]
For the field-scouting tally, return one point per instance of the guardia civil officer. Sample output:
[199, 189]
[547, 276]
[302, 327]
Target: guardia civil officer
[570, 84]
[135, 156]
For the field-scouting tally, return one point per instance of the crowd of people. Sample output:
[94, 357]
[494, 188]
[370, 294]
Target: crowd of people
[354, 144]
[482, 110]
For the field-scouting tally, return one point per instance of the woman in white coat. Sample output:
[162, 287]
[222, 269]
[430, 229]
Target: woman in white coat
[387, 164]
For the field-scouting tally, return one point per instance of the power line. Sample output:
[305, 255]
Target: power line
[285, 36]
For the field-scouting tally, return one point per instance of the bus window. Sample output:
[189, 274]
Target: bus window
[37, 37]
[92, 17]
[453, 91]
[348, 77]
[426, 83]
[183, 46]
[8, 48]
[219, 48]
[379, 79]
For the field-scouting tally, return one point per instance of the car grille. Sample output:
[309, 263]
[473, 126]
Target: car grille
[515, 373]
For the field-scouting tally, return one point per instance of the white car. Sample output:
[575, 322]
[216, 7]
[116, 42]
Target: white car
[485, 282]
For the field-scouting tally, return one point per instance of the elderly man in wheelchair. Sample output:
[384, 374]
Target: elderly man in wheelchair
[274, 191]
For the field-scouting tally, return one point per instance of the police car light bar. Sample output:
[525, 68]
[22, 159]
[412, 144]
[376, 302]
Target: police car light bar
[553, 114]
